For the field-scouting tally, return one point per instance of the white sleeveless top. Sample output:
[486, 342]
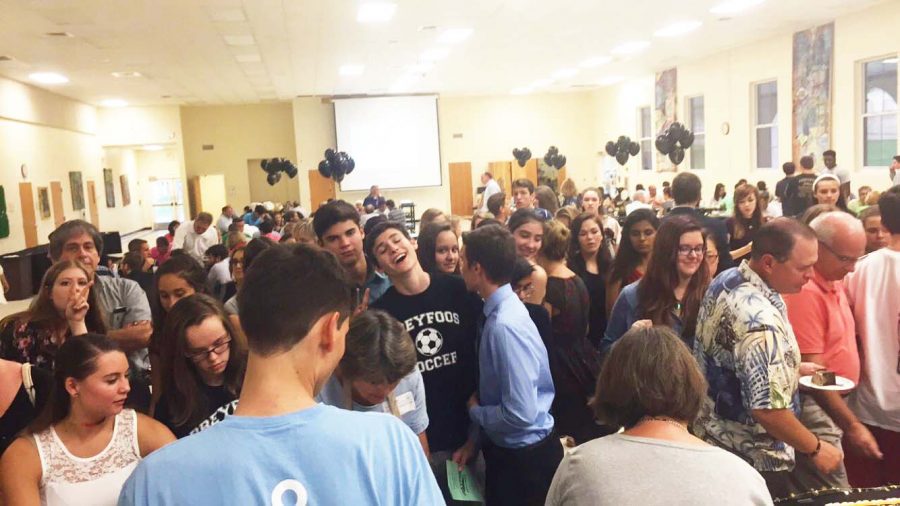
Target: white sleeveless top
[95, 481]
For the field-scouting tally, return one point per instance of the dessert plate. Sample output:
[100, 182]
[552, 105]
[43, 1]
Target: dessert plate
[841, 384]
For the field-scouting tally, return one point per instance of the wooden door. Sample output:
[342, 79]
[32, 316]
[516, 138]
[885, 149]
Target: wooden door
[92, 204]
[560, 178]
[195, 201]
[529, 171]
[461, 201]
[502, 172]
[321, 189]
[56, 201]
[29, 223]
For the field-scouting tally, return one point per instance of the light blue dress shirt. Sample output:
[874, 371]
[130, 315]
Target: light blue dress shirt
[515, 388]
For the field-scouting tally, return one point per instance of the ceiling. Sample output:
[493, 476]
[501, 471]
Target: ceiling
[196, 52]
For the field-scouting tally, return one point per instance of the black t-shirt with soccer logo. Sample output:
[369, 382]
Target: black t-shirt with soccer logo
[441, 321]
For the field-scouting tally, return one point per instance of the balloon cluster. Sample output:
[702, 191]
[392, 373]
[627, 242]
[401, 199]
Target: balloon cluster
[622, 148]
[522, 156]
[674, 141]
[554, 159]
[336, 165]
[275, 166]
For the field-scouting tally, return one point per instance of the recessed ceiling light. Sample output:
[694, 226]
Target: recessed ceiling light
[595, 62]
[524, 90]
[679, 28]
[734, 6]
[48, 78]
[607, 81]
[239, 40]
[540, 83]
[113, 102]
[435, 54]
[454, 35]
[248, 58]
[632, 47]
[565, 73]
[376, 12]
[126, 74]
[351, 70]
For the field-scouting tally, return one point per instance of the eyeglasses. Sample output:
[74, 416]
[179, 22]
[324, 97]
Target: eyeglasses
[687, 250]
[524, 290]
[841, 258]
[218, 348]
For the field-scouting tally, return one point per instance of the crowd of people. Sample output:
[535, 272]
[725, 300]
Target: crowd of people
[571, 348]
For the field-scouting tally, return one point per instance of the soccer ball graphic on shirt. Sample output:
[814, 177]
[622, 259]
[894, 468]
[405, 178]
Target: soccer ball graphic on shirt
[429, 341]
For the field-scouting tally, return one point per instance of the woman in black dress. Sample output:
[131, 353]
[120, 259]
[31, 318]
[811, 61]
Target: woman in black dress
[747, 219]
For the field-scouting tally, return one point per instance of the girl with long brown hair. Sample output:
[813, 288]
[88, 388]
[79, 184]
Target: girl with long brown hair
[84, 444]
[672, 288]
[630, 263]
[747, 219]
[206, 369]
[65, 306]
[590, 260]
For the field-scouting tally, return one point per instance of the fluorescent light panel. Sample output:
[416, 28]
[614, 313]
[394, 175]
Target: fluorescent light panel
[632, 47]
[734, 7]
[376, 12]
[351, 70]
[678, 28]
[48, 78]
[454, 35]
[594, 62]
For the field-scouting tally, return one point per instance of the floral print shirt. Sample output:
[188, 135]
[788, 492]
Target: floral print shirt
[747, 350]
[22, 341]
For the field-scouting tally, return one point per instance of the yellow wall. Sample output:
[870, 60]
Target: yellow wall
[238, 133]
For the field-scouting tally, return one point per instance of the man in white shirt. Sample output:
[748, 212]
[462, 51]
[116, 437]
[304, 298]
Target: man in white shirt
[491, 187]
[639, 202]
[829, 158]
[872, 291]
[225, 219]
[196, 236]
[895, 170]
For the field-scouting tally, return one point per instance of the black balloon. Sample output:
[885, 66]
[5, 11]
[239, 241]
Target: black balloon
[664, 144]
[273, 178]
[548, 159]
[329, 154]
[262, 163]
[521, 161]
[325, 168]
[517, 153]
[611, 148]
[687, 139]
[622, 157]
[634, 148]
[677, 156]
[526, 153]
[351, 164]
[553, 150]
[560, 161]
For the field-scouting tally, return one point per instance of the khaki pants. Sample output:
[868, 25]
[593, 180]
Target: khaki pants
[805, 476]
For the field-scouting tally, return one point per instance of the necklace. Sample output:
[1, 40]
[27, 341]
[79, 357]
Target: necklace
[666, 419]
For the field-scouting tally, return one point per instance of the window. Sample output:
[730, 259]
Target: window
[879, 119]
[646, 136]
[697, 124]
[766, 125]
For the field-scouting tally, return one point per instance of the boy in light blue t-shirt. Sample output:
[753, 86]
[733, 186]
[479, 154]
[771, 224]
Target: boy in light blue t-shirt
[281, 447]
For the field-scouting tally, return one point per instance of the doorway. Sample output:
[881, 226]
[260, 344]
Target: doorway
[167, 201]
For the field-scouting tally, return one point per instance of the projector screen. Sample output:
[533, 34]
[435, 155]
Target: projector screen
[393, 140]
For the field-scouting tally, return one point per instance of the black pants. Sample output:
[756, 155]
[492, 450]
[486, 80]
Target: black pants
[521, 476]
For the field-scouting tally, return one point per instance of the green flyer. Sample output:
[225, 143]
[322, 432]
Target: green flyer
[462, 484]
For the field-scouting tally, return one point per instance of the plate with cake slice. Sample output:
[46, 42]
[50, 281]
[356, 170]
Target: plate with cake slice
[827, 380]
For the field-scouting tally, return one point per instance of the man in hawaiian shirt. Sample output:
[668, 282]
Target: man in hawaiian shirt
[749, 355]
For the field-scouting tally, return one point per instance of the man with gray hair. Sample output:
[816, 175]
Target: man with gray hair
[823, 323]
[123, 303]
[196, 236]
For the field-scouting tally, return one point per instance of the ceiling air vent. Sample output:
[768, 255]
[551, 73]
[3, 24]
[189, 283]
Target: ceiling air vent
[208, 147]
[5, 58]
[65, 35]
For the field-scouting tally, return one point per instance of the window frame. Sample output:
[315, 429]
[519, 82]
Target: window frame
[755, 126]
[642, 139]
[862, 115]
[689, 119]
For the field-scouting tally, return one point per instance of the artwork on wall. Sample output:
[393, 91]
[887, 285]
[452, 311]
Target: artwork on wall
[811, 91]
[4, 218]
[44, 201]
[126, 194]
[77, 190]
[109, 188]
[666, 105]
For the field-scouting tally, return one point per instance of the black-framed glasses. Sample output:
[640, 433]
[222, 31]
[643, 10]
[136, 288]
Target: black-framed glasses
[218, 348]
[841, 258]
[685, 250]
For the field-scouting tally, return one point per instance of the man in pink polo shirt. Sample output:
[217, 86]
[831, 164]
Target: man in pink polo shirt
[826, 334]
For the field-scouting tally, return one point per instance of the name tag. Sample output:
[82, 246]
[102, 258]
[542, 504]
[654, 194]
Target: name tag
[405, 403]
